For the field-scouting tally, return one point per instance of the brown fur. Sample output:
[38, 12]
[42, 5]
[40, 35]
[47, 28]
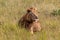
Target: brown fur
[35, 26]
[31, 25]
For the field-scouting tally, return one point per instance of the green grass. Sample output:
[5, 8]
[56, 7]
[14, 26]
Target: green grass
[12, 10]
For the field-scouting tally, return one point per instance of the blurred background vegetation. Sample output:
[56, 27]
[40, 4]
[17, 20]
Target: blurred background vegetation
[12, 10]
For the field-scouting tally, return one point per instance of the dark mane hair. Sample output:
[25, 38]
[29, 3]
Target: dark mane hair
[28, 18]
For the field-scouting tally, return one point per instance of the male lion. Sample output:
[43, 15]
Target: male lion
[30, 20]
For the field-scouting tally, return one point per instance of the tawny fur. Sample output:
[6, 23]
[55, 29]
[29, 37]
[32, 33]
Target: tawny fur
[31, 25]
[35, 26]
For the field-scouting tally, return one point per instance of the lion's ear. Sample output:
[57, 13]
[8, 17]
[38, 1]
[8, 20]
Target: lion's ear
[28, 10]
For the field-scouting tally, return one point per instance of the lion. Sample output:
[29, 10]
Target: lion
[30, 20]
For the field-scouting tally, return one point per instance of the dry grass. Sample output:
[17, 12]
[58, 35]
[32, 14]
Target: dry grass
[12, 10]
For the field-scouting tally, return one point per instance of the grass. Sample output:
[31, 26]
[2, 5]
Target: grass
[12, 10]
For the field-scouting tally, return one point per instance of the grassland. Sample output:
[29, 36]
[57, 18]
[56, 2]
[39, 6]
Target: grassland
[12, 10]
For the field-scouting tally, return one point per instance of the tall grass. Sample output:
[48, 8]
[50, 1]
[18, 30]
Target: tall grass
[12, 10]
